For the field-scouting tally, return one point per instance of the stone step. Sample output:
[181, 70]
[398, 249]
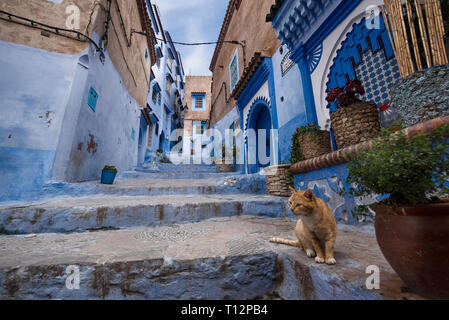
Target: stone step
[117, 212]
[149, 174]
[164, 167]
[225, 258]
[144, 186]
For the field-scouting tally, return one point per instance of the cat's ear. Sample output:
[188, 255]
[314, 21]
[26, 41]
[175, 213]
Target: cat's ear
[309, 195]
[293, 190]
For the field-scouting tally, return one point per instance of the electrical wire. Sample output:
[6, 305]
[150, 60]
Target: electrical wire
[45, 27]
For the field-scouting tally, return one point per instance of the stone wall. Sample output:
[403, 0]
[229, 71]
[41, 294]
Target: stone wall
[422, 96]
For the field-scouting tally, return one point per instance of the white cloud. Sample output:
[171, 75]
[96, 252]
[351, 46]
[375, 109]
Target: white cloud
[193, 21]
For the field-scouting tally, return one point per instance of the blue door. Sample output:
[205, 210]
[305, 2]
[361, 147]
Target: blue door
[261, 123]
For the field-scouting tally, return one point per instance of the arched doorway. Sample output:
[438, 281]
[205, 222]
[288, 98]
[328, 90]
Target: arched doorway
[259, 144]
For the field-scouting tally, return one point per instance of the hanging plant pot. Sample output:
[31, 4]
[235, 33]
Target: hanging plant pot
[314, 144]
[414, 241]
[279, 179]
[108, 175]
[355, 124]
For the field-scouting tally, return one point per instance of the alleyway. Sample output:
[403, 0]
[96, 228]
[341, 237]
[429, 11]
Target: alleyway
[151, 236]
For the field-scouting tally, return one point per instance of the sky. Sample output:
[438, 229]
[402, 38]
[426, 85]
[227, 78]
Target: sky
[193, 21]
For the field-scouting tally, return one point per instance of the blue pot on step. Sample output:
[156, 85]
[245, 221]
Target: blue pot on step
[108, 175]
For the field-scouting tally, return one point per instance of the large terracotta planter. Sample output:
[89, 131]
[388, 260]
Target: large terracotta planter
[415, 241]
[355, 124]
[314, 144]
[278, 179]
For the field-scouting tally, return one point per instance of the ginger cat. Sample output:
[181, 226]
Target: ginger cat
[316, 229]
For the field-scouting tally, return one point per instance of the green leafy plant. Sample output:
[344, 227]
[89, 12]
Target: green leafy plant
[110, 168]
[295, 151]
[411, 171]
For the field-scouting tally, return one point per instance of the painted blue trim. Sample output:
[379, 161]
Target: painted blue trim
[153, 20]
[263, 74]
[196, 96]
[259, 78]
[309, 98]
[235, 58]
[314, 58]
[331, 22]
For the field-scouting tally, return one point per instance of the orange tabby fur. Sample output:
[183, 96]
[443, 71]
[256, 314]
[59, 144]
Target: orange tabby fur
[316, 230]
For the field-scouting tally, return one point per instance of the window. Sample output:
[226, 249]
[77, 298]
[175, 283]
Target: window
[159, 98]
[286, 64]
[198, 101]
[146, 55]
[154, 96]
[168, 86]
[234, 70]
[170, 64]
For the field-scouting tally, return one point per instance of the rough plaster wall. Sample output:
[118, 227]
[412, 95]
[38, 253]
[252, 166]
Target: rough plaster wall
[196, 84]
[129, 61]
[330, 46]
[50, 13]
[247, 24]
[32, 113]
[104, 137]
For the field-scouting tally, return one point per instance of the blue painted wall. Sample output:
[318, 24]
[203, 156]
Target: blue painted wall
[32, 111]
[326, 184]
[47, 129]
[290, 102]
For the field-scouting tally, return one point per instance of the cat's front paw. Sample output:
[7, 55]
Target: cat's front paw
[331, 261]
[319, 260]
[310, 253]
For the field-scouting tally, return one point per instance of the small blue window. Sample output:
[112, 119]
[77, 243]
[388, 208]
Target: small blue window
[234, 70]
[92, 100]
[198, 101]
[146, 55]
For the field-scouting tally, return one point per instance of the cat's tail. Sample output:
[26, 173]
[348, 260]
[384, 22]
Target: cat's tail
[286, 242]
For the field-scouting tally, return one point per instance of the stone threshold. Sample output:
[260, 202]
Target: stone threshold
[346, 155]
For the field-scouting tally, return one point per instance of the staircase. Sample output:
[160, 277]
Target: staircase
[176, 232]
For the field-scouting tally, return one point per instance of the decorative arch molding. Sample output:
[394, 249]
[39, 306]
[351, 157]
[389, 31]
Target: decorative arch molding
[315, 57]
[349, 53]
[255, 108]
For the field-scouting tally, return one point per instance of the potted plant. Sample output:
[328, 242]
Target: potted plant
[226, 155]
[108, 175]
[355, 121]
[412, 223]
[309, 142]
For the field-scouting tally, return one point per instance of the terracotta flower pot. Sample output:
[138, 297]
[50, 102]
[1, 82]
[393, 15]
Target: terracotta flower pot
[314, 144]
[355, 124]
[415, 241]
